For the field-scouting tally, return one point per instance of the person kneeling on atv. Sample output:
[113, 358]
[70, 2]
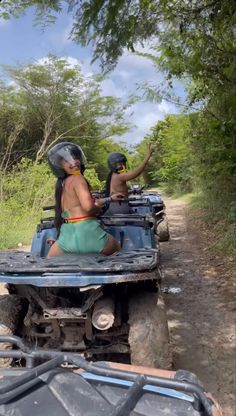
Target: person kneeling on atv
[119, 176]
[76, 209]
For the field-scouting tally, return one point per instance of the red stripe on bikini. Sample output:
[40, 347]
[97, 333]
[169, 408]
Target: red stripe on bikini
[80, 218]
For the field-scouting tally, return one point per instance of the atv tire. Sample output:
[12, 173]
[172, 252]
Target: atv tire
[163, 230]
[11, 307]
[148, 331]
[187, 376]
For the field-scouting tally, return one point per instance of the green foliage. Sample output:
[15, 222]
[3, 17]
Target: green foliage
[27, 189]
[54, 102]
[194, 154]
[172, 161]
[190, 33]
[29, 184]
[45, 8]
[93, 180]
[112, 25]
[228, 241]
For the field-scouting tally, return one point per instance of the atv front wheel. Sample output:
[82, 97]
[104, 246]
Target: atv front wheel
[11, 307]
[148, 331]
[163, 230]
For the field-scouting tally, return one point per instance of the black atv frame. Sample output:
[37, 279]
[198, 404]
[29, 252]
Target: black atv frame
[19, 388]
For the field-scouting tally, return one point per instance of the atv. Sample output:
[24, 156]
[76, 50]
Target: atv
[58, 384]
[156, 208]
[99, 306]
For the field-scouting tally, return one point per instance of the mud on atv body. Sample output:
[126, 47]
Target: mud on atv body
[92, 304]
[81, 388]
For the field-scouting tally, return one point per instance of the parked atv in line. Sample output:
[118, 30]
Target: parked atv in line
[157, 207]
[88, 389]
[96, 305]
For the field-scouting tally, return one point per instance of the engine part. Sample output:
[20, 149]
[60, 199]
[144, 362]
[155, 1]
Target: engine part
[103, 313]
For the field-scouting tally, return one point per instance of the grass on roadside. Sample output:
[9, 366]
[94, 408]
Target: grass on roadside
[220, 219]
[17, 229]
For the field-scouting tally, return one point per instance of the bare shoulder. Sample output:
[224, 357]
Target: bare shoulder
[72, 180]
[79, 180]
[123, 177]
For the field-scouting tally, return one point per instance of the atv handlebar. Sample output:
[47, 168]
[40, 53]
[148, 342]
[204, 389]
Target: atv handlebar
[49, 208]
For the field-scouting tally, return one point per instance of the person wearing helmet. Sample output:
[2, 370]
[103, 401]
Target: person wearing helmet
[119, 176]
[76, 209]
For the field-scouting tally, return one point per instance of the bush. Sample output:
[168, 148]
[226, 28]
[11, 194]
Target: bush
[25, 191]
[94, 182]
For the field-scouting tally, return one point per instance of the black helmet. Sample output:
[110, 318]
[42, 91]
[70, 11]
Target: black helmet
[115, 159]
[67, 151]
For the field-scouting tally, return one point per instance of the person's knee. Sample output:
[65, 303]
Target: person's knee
[54, 250]
[117, 245]
[111, 247]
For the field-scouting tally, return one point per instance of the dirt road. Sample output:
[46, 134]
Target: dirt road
[201, 316]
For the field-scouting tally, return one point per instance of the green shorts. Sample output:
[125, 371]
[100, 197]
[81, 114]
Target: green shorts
[82, 237]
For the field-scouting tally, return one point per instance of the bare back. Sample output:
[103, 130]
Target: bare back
[75, 188]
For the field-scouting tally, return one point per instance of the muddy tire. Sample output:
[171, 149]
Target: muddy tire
[148, 333]
[163, 231]
[11, 307]
[184, 375]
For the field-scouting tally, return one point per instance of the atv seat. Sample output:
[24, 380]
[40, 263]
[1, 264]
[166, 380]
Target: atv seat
[132, 231]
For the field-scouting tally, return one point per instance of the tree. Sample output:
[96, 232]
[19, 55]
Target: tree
[172, 163]
[56, 102]
[114, 25]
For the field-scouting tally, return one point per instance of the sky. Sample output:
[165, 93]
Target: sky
[23, 42]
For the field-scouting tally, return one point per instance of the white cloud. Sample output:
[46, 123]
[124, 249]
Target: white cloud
[133, 70]
[70, 59]
[12, 83]
[42, 61]
[109, 87]
[144, 116]
[147, 47]
[135, 67]
[166, 107]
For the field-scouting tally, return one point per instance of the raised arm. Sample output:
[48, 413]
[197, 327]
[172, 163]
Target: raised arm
[136, 172]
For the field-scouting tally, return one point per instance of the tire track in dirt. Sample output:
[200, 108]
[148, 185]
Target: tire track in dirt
[202, 316]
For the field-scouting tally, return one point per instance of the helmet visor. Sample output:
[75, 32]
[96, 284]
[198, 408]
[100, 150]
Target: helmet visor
[71, 154]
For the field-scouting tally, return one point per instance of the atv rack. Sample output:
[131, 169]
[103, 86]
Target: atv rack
[137, 383]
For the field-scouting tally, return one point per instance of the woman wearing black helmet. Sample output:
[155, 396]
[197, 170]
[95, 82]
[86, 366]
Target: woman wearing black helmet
[119, 176]
[76, 209]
